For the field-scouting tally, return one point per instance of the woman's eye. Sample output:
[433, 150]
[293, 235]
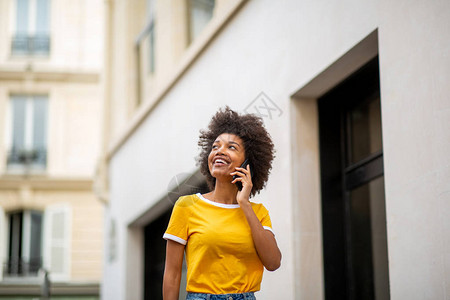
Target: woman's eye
[232, 147]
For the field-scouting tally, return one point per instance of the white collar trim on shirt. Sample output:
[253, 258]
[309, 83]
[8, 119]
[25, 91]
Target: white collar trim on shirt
[223, 205]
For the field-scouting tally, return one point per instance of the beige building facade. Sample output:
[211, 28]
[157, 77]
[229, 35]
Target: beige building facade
[51, 56]
[355, 96]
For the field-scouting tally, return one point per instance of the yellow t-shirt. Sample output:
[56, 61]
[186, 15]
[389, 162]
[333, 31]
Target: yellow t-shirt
[220, 254]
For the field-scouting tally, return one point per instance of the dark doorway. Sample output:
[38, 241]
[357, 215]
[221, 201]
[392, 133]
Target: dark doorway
[155, 255]
[155, 245]
[352, 185]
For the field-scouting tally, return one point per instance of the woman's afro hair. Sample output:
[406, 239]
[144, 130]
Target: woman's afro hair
[259, 149]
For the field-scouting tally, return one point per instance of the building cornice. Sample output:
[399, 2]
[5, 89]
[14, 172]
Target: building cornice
[32, 287]
[35, 73]
[14, 182]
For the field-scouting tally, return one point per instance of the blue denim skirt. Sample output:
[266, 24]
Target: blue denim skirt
[242, 296]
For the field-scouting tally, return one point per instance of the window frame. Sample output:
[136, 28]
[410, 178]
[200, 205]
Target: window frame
[32, 40]
[24, 238]
[340, 176]
[29, 149]
[192, 33]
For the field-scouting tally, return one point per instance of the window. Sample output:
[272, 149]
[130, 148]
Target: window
[200, 13]
[352, 183]
[28, 151]
[145, 52]
[25, 243]
[151, 35]
[151, 47]
[32, 28]
[36, 239]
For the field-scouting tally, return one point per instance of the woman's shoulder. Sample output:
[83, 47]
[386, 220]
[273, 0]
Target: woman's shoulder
[259, 208]
[186, 201]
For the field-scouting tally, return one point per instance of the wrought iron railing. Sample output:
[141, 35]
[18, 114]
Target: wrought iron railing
[31, 45]
[28, 158]
[18, 267]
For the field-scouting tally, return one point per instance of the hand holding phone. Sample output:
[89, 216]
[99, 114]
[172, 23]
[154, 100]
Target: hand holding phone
[244, 166]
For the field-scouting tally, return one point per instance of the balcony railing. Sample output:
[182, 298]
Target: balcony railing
[31, 45]
[19, 267]
[28, 158]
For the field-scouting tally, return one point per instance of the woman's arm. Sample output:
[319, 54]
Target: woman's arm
[264, 240]
[172, 271]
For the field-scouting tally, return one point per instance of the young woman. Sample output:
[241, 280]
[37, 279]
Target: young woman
[228, 239]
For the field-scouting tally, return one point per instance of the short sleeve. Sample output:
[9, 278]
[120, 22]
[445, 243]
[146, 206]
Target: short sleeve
[264, 217]
[178, 227]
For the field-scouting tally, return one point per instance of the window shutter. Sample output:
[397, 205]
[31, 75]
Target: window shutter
[57, 231]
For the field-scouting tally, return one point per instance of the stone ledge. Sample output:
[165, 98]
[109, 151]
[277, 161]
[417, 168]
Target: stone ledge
[32, 289]
[9, 182]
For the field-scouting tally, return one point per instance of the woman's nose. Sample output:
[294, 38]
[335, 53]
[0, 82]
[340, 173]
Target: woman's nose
[221, 150]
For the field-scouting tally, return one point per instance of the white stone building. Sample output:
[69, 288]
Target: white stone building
[355, 96]
[51, 58]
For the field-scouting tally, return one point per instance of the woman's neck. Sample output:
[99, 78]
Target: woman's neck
[224, 192]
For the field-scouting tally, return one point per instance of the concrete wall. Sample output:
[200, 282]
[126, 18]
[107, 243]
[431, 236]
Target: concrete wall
[279, 48]
[414, 63]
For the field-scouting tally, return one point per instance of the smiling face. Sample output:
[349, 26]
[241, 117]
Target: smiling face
[227, 153]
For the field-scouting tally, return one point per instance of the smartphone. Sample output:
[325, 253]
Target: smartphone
[244, 165]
